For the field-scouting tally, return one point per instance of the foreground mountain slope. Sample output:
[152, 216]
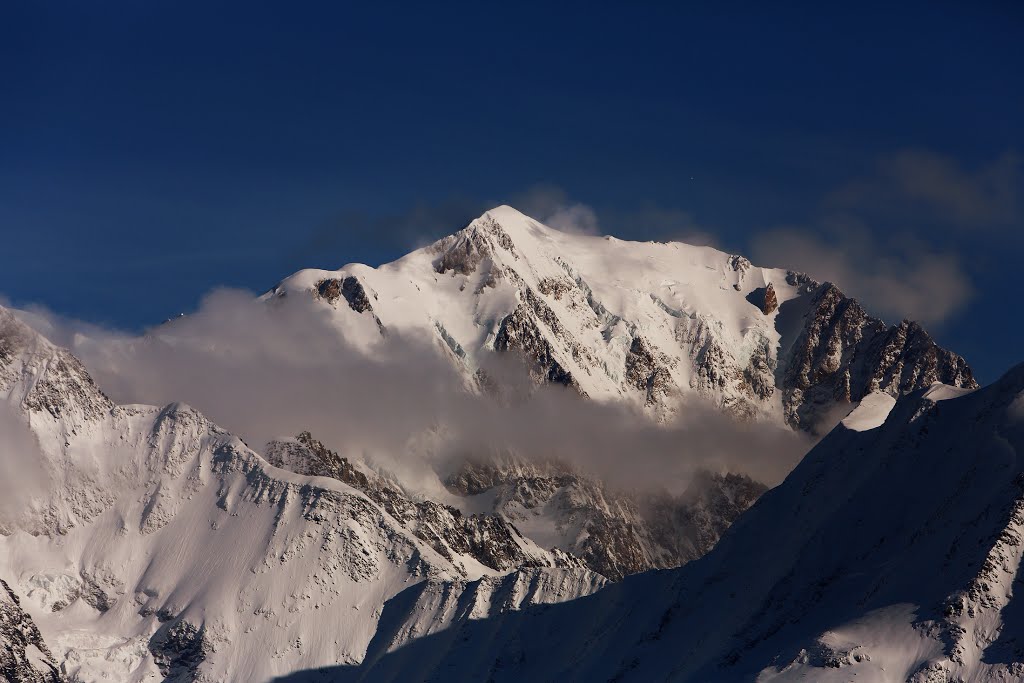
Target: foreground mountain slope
[891, 553]
[159, 545]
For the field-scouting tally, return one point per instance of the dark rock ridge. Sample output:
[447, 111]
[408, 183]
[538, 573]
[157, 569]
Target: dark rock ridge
[489, 539]
[619, 533]
[690, 526]
[310, 457]
[518, 332]
[648, 370]
[771, 301]
[842, 354]
[332, 289]
[465, 250]
[178, 648]
[24, 657]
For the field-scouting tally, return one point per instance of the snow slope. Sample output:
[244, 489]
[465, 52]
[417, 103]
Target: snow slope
[890, 553]
[165, 547]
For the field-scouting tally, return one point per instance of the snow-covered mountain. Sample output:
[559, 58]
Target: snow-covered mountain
[647, 323]
[24, 656]
[162, 546]
[650, 325]
[891, 553]
[148, 543]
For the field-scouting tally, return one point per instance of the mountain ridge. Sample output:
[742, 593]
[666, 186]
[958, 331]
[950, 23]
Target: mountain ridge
[682, 320]
[163, 545]
[814, 581]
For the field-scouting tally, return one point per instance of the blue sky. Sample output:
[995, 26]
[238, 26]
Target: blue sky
[152, 151]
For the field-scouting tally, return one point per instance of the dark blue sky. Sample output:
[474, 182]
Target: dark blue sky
[152, 151]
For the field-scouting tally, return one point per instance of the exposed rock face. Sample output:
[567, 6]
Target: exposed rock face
[89, 591]
[24, 657]
[519, 332]
[349, 287]
[740, 388]
[179, 648]
[462, 252]
[615, 534]
[355, 295]
[771, 300]
[329, 290]
[648, 371]
[309, 456]
[842, 354]
[689, 527]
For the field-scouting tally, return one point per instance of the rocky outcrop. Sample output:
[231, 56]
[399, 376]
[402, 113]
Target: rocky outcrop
[306, 455]
[464, 251]
[179, 648]
[355, 295]
[842, 354]
[771, 301]
[648, 371]
[741, 265]
[349, 288]
[24, 657]
[518, 332]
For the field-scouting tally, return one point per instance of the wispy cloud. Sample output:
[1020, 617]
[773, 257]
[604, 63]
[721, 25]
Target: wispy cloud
[264, 371]
[925, 185]
[894, 276]
[552, 206]
[900, 238]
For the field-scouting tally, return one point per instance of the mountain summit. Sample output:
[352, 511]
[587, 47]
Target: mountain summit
[645, 323]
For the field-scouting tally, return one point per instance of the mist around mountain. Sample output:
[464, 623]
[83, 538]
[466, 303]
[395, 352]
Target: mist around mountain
[378, 460]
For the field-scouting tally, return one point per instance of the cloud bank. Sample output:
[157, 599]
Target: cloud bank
[265, 371]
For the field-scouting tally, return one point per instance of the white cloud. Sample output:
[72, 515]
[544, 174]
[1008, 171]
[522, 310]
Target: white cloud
[921, 182]
[895, 278]
[264, 371]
